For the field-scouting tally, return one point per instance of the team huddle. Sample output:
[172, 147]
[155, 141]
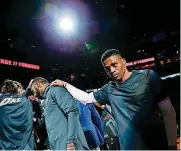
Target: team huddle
[134, 98]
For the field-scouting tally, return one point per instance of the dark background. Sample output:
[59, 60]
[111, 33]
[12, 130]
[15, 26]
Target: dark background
[138, 28]
[131, 26]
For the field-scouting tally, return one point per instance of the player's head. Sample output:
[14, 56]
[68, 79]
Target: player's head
[19, 87]
[114, 64]
[9, 87]
[38, 86]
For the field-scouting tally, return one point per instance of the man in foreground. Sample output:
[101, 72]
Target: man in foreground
[134, 98]
[61, 117]
[16, 118]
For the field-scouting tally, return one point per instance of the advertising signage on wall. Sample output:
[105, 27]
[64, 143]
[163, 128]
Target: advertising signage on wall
[19, 64]
[140, 61]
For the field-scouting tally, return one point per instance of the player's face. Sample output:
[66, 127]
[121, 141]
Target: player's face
[36, 89]
[20, 90]
[115, 67]
[19, 87]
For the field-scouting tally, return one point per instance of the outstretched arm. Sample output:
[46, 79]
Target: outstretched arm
[78, 94]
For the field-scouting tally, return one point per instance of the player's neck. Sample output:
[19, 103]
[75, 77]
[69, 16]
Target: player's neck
[126, 75]
[44, 88]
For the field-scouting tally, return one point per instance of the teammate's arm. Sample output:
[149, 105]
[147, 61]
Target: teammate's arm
[84, 97]
[27, 92]
[78, 94]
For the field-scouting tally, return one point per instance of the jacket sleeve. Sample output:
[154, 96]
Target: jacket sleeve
[80, 95]
[26, 92]
[67, 104]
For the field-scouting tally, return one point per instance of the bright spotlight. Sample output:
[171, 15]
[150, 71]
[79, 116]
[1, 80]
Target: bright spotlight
[66, 24]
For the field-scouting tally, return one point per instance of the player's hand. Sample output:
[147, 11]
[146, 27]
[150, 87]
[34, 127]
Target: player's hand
[102, 107]
[30, 84]
[59, 83]
[33, 98]
[73, 149]
[70, 147]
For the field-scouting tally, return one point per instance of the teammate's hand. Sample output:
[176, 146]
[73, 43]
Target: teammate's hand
[58, 83]
[29, 86]
[70, 147]
[73, 149]
[102, 107]
[33, 98]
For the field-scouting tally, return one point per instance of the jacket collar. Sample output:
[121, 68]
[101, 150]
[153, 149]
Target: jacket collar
[46, 91]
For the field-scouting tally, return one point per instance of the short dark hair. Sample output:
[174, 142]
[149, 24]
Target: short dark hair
[19, 85]
[41, 80]
[9, 87]
[108, 53]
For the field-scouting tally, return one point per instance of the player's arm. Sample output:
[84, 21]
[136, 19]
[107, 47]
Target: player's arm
[82, 96]
[166, 108]
[169, 116]
[27, 91]
[68, 105]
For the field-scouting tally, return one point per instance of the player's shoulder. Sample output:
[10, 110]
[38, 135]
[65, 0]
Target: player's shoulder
[148, 74]
[2, 96]
[107, 85]
[145, 72]
[141, 71]
[57, 89]
[6, 99]
[53, 88]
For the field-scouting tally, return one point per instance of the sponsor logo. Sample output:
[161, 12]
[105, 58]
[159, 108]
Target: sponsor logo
[10, 101]
[135, 85]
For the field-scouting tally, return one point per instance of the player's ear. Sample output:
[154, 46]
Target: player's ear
[37, 85]
[124, 62]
